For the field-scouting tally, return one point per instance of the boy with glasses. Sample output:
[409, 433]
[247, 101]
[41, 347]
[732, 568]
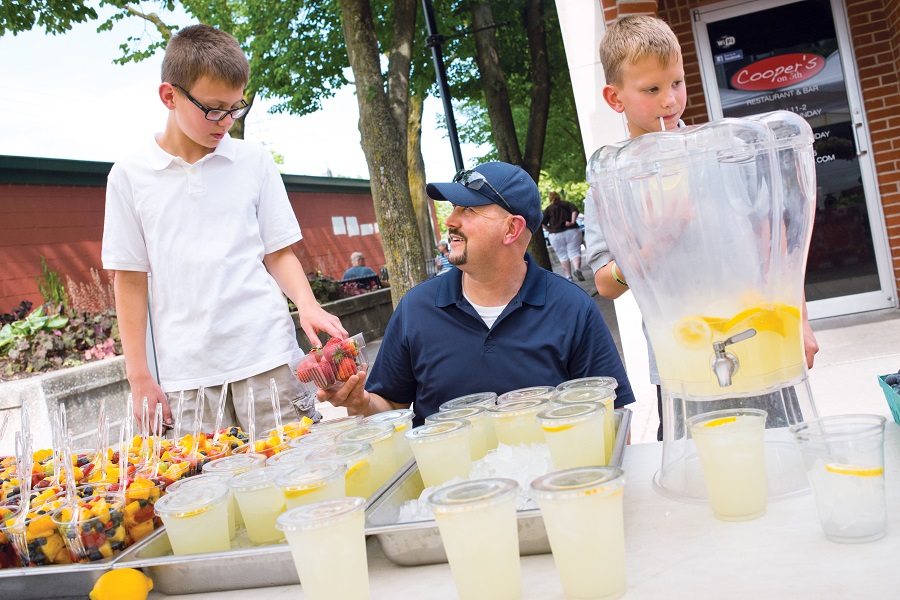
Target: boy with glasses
[204, 222]
[496, 323]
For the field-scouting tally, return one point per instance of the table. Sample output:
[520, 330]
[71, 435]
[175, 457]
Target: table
[679, 550]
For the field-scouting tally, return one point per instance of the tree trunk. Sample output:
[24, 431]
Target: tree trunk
[416, 164]
[237, 130]
[493, 82]
[385, 155]
[399, 61]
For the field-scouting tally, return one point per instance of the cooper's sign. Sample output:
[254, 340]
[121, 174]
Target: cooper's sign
[777, 72]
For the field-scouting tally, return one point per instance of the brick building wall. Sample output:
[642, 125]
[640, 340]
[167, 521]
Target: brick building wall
[54, 209]
[875, 33]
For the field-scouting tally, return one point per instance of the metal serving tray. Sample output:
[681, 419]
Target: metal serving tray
[52, 582]
[419, 542]
[243, 566]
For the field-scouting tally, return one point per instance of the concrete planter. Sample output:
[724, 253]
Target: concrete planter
[367, 314]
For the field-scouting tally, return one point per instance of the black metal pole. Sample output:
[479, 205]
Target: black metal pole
[435, 40]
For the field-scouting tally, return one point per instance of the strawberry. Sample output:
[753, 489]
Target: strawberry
[305, 371]
[345, 369]
[325, 374]
[333, 342]
[350, 347]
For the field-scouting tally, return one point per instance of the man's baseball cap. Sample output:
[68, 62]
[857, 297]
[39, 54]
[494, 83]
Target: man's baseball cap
[505, 185]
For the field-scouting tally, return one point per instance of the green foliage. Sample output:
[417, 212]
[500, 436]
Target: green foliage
[41, 343]
[53, 16]
[572, 191]
[51, 286]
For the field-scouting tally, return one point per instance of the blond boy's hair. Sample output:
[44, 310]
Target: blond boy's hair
[633, 38]
[201, 50]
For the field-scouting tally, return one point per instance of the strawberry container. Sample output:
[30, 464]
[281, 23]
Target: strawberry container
[331, 364]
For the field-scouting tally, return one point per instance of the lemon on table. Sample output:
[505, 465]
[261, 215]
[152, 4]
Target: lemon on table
[122, 584]
[856, 470]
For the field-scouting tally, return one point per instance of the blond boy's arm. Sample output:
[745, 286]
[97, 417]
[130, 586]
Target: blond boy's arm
[131, 312]
[288, 273]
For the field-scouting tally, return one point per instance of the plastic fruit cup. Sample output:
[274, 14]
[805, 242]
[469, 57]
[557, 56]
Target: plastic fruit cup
[38, 541]
[602, 395]
[730, 446]
[485, 399]
[516, 423]
[268, 447]
[441, 450]
[401, 419]
[196, 519]
[313, 482]
[260, 502]
[328, 545]
[477, 523]
[537, 392]
[384, 455]
[574, 434]
[96, 529]
[140, 518]
[234, 515]
[356, 457]
[482, 438]
[9, 508]
[582, 512]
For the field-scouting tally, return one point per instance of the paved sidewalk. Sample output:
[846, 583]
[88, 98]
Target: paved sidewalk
[854, 350]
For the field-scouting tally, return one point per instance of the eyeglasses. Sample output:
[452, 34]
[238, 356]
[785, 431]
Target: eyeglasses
[216, 114]
[475, 180]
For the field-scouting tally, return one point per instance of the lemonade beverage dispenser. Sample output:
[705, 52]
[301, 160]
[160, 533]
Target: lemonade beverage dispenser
[710, 226]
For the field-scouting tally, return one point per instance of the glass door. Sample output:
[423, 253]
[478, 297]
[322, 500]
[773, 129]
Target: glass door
[796, 55]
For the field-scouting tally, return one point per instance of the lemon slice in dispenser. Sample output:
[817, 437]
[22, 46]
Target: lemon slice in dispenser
[693, 333]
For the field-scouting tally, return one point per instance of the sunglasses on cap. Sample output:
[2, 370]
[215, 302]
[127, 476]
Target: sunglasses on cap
[475, 181]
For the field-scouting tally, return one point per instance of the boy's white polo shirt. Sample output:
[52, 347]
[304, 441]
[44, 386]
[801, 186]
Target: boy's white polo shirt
[201, 230]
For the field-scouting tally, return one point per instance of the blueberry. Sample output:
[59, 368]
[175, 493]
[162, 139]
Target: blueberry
[892, 379]
[95, 555]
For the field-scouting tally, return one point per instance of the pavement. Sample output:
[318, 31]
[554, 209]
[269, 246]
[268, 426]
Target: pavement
[853, 351]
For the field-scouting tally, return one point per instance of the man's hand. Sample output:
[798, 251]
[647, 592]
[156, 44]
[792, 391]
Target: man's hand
[352, 395]
[145, 387]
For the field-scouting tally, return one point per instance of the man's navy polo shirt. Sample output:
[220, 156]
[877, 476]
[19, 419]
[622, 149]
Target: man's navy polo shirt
[436, 347]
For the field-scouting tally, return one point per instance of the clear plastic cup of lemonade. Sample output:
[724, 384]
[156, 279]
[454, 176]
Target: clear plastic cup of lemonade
[485, 399]
[204, 479]
[607, 382]
[599, 394]
[328, 545]
[336, 425]
[582, 512]
[479, 530]
[731, 448]
[196, 519]
[441, 450]
[516, 422]
[384, 455]
[235, 465]
[482, 430]
[261, 503]
[401, 419]
[312, 482]
[357, 458]
[536, 392]
[575, 434]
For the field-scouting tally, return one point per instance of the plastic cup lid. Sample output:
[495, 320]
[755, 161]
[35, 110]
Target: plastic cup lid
[188, 502]
[437, 431]
[336, 425]
[578, 482]
[472, 495]
[469, 413]
[320, 514]
[367, 433]
[348, 453]
[580, 395]
[201, 479]
[538, 391]
[519, 407]
[311, 475]
[254, 479]
[236, 463]
[607, 382]
[486, 399]
[570, 413]
[319, 438]
[289, 458]
[400, 418]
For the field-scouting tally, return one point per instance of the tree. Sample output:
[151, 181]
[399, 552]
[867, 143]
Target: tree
[53, 16]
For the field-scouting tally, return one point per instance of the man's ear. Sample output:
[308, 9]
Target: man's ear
[515, 229]
[611, 95]
[167, 95]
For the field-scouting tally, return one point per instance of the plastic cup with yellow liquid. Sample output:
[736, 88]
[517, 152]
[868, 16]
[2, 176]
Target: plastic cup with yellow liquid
[196, 519]
[575, 434]
[441, 450]
[599, 394]
[482, 438]
[312, 482]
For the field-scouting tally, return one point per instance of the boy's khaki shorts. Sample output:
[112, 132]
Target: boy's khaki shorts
[290, 392]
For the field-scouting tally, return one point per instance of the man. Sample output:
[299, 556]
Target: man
[496, 323]
[358, 267]
[442, 262]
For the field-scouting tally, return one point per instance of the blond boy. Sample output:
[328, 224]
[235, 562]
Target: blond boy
[208, 219]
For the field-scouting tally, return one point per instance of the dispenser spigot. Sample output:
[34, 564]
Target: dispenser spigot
[725, 364]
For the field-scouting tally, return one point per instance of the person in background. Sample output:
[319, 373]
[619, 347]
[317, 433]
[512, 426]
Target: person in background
[498, 322]
[442, 261]
[358, 267]
[565, 234]
[209, 218]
